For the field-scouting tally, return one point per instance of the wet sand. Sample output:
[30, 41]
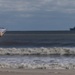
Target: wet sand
[36, 72]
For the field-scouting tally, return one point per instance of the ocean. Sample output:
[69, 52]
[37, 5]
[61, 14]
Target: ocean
[38, 50]
[38, 39]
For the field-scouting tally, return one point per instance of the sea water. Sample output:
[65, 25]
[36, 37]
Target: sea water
[37, 50]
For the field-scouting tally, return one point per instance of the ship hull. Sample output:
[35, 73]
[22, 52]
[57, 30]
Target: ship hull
[2, 31]
[1, 34]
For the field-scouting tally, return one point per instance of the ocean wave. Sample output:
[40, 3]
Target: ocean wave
[38, 51]
[37, 66]
[37, 62]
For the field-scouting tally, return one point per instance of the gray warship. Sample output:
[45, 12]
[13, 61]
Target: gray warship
[72, 29]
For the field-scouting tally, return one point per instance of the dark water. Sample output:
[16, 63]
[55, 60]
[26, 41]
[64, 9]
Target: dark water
[38, 38]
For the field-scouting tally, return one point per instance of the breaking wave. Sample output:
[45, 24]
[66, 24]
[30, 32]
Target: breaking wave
[38, 51]
[31, 62]
[38, 58]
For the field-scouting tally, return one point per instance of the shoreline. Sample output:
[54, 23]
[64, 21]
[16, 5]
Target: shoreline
[36, 72]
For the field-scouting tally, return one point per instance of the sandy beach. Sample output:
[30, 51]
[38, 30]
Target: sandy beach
[36, 72]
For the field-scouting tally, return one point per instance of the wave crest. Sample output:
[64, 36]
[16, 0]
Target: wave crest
[38, 51]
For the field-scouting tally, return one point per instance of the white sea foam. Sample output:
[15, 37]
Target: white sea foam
[37, 51]
[31, 62]
[31, 58]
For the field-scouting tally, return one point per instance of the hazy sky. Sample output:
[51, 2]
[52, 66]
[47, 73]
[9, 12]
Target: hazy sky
[37, 14]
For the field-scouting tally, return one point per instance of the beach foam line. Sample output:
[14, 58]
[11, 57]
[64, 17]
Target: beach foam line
[37, 66]
[38, 51]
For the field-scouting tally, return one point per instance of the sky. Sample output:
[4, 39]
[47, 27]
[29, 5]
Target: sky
[37, 14]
